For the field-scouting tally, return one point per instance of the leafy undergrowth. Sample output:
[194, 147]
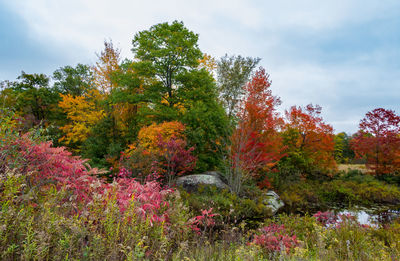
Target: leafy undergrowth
[323, 236]
[233, 209]
[53, 206]
[362, 190]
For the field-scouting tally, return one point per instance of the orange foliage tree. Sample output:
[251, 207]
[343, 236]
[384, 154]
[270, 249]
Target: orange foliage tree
[378, 140]
[255, 146]
[309, 140]
[149, 136]
[160, 152]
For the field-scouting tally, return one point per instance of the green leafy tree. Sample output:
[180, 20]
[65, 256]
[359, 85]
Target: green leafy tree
[174, 87]
[343, 153]
[75, 81]
[164, 52]
[233, 73]
[32, 97]
[207, 124]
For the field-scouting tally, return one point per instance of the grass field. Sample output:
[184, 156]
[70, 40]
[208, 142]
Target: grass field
[346, 167]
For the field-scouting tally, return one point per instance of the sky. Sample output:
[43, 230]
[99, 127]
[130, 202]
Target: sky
[341, 54]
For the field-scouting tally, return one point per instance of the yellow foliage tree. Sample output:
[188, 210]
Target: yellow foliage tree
[108, 63]
[83, 113]
[208, 63]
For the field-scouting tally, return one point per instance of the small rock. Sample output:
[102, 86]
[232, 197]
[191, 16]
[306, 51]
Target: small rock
[272, 201]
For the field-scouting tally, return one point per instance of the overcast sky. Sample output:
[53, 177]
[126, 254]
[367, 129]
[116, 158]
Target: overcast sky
[342, 55]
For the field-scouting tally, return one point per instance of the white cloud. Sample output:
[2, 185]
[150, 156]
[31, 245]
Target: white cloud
[84, 24]
[77, 28]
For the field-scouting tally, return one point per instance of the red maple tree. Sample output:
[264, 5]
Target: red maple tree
[255, 144]
[306, 134]
[378, 140]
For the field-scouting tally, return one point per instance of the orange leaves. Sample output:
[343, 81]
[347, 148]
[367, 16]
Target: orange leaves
[148, 137]
[208, 63]
[258, 108]
[256, 146]
[305, 132]
[160, 152]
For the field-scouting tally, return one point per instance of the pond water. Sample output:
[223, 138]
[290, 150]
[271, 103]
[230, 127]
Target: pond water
[372, 216]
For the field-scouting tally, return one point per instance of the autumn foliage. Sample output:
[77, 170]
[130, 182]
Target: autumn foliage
[149, 137]
[378, 141]
[160, 153]
[83, 112]
[46, 166]
[308, 138]
[255, 144]
[274, 238]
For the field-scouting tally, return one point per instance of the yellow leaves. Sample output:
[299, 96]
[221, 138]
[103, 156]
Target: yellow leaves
[122, 113]
[83, 113]
[208, 63]
[109, 63]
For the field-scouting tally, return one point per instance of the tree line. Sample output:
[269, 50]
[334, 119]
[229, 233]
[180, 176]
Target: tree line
[173, 109]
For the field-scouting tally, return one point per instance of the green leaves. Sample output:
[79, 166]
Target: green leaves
[233, 73]
[164, 52]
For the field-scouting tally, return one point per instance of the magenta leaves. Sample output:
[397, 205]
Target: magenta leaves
[274, 238]
[326, 218]
[200, 224]
[44, 164]
[175, 160]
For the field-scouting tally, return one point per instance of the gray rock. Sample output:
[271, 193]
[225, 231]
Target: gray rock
[191, 183]
[272, 201]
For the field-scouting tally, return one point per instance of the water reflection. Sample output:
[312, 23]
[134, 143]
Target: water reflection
[372, 216]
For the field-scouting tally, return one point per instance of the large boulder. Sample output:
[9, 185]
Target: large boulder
[273, 202]
[191, 183]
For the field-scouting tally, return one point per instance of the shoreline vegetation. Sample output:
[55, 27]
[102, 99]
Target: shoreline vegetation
[89, 160]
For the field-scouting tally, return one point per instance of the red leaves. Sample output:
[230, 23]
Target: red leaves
[161, 153]
[378, 141]
[255, 144]
[307, 133]
[274, 238]
[46, 163]
[258, 108]
[204, 221]
[326, 218]
[175, 160]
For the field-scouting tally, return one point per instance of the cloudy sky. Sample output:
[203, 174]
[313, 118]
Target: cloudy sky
[341, 54]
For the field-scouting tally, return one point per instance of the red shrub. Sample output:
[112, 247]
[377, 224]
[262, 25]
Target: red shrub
[326, 218]
[204, 221]
[273, 238]
[47, 164]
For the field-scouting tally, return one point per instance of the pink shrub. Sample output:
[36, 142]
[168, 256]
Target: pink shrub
[47, 164]
[326, 218]
[273, 238]
[204, 221]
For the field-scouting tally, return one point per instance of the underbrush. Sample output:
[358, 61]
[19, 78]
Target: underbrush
[233, 209]
[35, 226]
[49, 223]
[54, 207]
[346, 190]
